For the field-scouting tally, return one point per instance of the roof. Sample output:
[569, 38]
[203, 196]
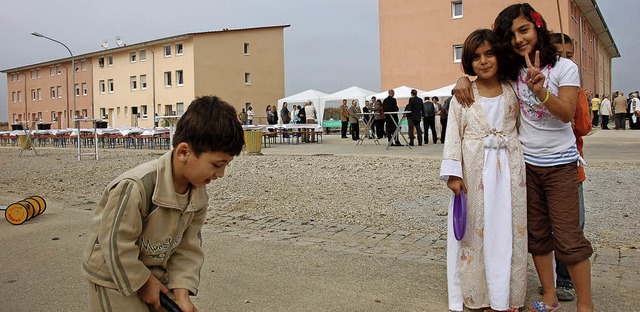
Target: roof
[594, 17]
[138, 45]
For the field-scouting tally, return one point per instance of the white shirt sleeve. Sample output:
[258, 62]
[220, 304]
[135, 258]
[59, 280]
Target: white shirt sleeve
[567, 72]
[450, 167]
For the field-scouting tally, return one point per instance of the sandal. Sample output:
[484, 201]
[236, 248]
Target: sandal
[540, 306]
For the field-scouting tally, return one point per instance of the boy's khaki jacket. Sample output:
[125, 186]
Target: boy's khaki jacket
[132, 238]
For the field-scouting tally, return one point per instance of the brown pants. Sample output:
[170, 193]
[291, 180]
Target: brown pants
[553, 213]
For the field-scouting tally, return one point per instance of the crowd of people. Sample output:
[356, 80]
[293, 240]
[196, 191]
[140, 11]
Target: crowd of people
[622, 110]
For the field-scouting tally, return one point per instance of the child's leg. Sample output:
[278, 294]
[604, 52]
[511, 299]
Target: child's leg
[581, 276]
[544, 267]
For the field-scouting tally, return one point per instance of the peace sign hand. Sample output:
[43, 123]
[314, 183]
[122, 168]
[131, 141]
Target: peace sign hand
[535, 78]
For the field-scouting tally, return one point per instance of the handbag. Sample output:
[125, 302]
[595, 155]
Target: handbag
[459, 215]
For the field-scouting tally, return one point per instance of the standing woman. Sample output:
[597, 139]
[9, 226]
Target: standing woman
[269, 115]
[547, 89]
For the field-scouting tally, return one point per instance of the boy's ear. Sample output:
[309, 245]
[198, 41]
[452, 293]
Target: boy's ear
[182, 151]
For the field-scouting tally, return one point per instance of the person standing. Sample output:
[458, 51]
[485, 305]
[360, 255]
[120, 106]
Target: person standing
[429, 121]
[595, 108]
[243, 117]
[250, 115]
[444, 114]
[582, 124]
[310, 112]
[605, 112]
[367, 109]
[380, 119]
[374, 126]
[415, 107]
[344, 118]
[354, 110]
[284, 114]
[487, 268]
[390, 105]
[634, 110]
[620, 109]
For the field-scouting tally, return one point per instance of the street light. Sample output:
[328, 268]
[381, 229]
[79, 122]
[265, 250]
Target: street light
[73, 83]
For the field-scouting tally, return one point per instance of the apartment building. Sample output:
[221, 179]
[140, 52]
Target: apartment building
[129, 85]
[421, 41]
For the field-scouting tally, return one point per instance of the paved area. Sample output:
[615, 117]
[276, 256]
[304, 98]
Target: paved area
[265, 263]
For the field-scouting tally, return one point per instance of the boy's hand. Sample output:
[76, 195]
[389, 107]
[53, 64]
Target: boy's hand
[150, 292]
[456, 184]
[183, 300]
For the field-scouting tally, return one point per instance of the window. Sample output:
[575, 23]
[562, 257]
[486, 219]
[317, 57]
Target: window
[40, 116]
[59, 69]
[179, 77]
[53, 92]
[101, 61]
[102, 86]
[83, 65]
[143, 55]
[132, 57]
[134, 83]
[13, 77]
[59, 92]
[39, 91]
[110, 60]
[110, 84]
[118, 112]
[103, 113]
[77, 88]
[84, 114]
[143, 82]
[167, 79]
[33, 94]
[456, 9]
[178, 48]
[246, 48]
[53, 116]
[457, 53]
[33, 74]
[19, 76]
[52, 71]
[76, 66]
[38, 72]
[84, 89]
[19, 96]
[126, 111]
[167, 51]
[143, 111]
[13, 97]
[247, 78]
[180, 108]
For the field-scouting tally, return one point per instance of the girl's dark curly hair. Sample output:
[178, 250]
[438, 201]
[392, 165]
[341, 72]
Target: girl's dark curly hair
[502, 28]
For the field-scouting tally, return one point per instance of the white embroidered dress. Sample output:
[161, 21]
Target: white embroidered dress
[488, 267]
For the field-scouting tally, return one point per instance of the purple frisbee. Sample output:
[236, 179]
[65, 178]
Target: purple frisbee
[459, 215]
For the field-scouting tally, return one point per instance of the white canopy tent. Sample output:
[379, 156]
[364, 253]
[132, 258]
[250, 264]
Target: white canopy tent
[402, 92]
[351, 93]
[311, 95]
[443, 92]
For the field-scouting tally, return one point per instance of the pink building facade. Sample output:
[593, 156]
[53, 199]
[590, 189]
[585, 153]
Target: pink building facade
[421, 41]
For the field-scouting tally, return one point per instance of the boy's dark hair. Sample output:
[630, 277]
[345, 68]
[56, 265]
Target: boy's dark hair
[556, 38]
[472, 43]
[502, 28]
[210, 125]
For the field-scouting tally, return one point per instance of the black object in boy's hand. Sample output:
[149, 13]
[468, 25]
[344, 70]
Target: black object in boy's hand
[168, 304]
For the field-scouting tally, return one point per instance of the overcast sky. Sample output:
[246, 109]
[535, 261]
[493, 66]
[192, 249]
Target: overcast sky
[331, 44]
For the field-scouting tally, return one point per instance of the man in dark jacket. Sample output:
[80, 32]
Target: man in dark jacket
[429, 121]
[391, 105]
[415, 107]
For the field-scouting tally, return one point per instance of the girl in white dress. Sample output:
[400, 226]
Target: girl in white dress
[483, 156]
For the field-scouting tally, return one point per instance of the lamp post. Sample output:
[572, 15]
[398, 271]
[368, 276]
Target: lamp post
[73, 83]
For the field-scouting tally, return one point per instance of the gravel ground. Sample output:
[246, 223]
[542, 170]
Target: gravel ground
[385, 192]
